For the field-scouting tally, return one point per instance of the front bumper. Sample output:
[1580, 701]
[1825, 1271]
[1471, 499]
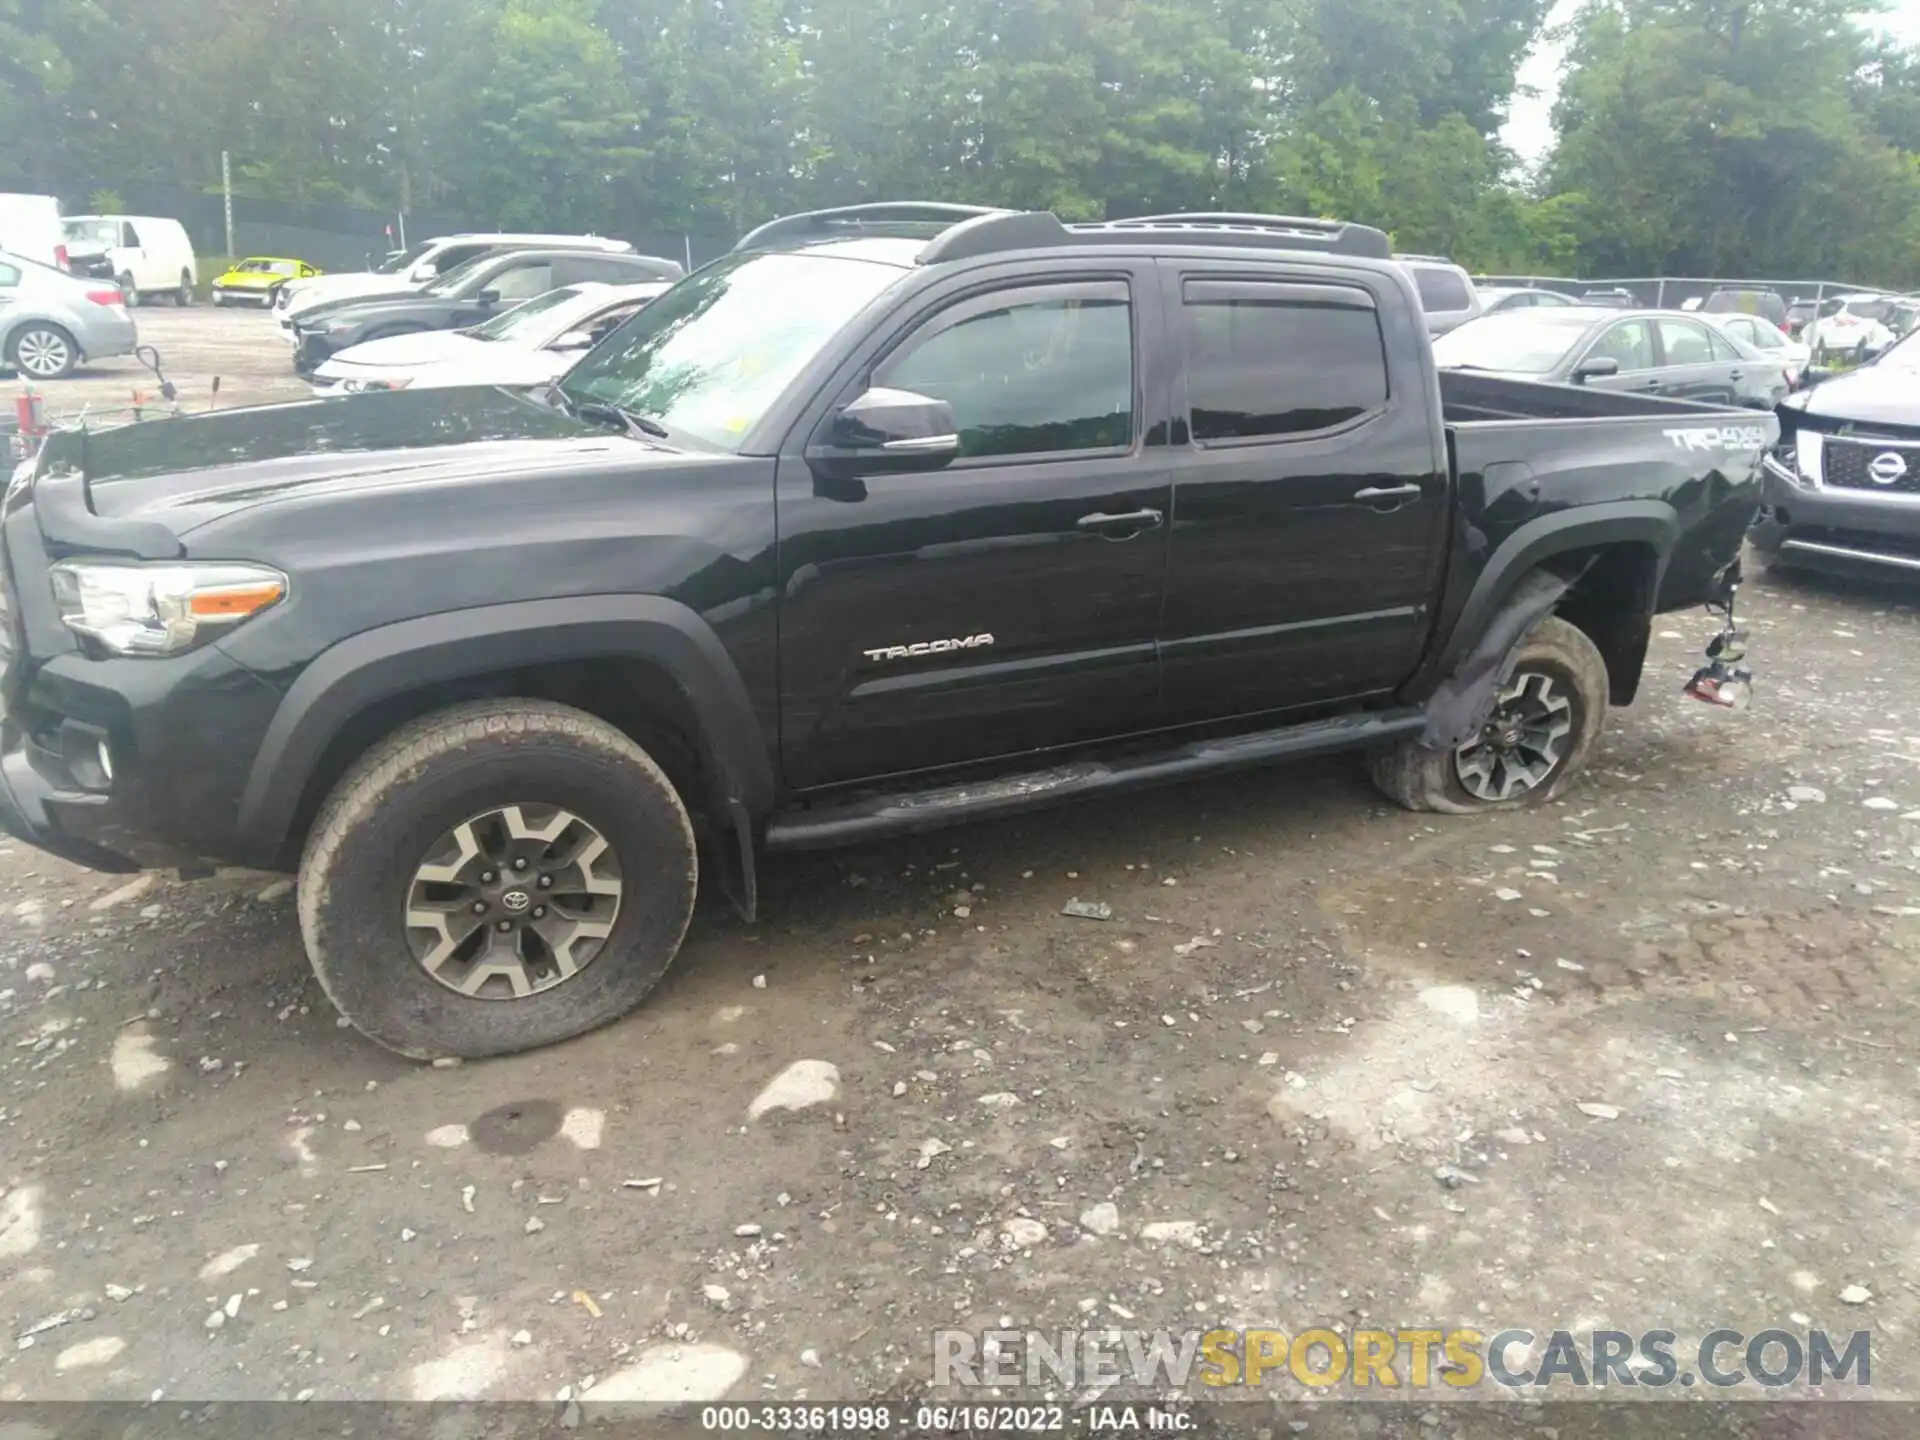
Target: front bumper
[122, 765]
[311, 350]
[1838, 528]
[234, 295]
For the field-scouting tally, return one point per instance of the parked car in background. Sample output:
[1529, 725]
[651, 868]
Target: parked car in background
[1611, 296]
[30, 227]
[1446, 291]
[1769, 340]
[1648, 352]
[476, 291]
[142, 254]
[257, 280]
[1843, 488]
[426, 262]
[1800, 314]
[521, 349]
[1853, 326]
[1770, 305]
[1496, 299]
[51, 321]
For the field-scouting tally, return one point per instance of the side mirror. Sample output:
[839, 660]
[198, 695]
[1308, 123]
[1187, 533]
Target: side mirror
[425, 270]
[488, 297]
[574, 340]
[1598, 368]
[896, 430]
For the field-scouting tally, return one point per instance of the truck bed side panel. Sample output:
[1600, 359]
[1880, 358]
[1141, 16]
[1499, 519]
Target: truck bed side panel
[1563, 470]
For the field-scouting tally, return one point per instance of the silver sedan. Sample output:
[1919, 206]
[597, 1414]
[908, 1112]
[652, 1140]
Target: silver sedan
[50, 321]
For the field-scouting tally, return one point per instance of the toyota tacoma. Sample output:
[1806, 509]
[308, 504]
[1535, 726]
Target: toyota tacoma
[895, 516]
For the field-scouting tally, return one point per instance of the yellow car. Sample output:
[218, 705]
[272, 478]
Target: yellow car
[255, 280]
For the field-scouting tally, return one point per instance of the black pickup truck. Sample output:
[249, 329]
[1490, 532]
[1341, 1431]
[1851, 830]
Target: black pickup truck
[894, 516]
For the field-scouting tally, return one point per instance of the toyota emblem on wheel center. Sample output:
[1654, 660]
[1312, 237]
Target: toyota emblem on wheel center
[1887, 468]
[515, 900]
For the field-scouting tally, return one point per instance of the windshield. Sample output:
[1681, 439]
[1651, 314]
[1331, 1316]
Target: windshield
[712, 354]
[1525, 343]
[104, 233]
[400, 260]
[1869, 309]
[266, 267]
[522, 319]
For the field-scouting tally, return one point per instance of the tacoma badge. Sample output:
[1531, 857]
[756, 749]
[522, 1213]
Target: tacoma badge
[928, 647]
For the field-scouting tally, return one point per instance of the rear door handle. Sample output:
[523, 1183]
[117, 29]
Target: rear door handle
[1373, 494]
[1131, 520]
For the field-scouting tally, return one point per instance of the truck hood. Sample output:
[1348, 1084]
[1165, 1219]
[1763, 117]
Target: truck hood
[188, 470]
[1871, 395]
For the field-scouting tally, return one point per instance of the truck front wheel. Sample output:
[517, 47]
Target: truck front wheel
[495, 877]
[1543, 727]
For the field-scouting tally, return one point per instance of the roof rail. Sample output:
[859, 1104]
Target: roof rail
[1428, 259]
[996, 231]
[1297, 232]
[895, 217]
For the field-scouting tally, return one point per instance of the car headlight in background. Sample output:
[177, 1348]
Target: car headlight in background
[132, 609]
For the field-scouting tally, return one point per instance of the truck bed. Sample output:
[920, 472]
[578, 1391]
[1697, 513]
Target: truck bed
[1525, 454]
[1467, 398]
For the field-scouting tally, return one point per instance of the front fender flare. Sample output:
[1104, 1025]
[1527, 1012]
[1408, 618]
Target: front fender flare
[378, 664]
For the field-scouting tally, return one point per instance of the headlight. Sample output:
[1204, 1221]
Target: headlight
[134, 609]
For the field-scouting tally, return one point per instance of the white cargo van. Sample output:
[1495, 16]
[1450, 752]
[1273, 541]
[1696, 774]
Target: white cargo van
[145, 255]
[30, 226]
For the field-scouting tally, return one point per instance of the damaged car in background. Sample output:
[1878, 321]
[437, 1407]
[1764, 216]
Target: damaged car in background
[1843, 488]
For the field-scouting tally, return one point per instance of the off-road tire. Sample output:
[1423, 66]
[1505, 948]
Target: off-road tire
[1417, 778]
[375, 828]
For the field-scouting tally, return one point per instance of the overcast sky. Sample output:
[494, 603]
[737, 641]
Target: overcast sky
[1529, 128]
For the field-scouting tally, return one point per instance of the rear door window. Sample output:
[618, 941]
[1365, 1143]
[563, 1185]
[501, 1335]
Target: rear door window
[1685, 343]
[1267, 360]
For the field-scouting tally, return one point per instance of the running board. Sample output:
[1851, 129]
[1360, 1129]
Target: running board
[951, 804]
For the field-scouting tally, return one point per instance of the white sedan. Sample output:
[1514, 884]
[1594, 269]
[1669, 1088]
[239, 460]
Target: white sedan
[1769, 340]
[523, 348]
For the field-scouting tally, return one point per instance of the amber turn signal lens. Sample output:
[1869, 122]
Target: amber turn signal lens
[232, 602]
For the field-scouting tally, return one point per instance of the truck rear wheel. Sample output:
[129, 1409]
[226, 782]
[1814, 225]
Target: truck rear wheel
[1542, 729]
[495, 877]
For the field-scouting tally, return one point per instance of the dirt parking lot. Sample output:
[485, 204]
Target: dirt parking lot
[1640, 1059]
[242, 347]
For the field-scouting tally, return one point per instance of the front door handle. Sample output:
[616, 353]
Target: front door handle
[1132, 521]
[1374, 494]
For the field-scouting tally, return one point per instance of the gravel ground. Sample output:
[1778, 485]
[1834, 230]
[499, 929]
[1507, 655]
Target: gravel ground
[1638, 1059]
[242, 347]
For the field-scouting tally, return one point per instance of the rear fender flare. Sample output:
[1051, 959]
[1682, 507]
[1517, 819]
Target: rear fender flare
[379, 664]
[1584, 527]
